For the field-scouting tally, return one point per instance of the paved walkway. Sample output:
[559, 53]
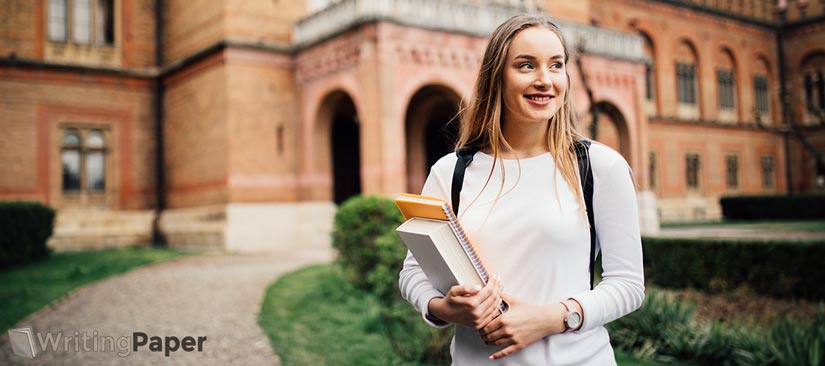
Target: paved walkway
[217, 296]
[755, 232]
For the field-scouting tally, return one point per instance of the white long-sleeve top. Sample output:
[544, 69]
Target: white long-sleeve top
[536, 237]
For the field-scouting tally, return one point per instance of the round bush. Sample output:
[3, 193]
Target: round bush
[369, 263]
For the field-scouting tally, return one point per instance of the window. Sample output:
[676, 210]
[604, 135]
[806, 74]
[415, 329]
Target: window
[83, 157]
[767, 172]
[686, 82]
[57, 20]
[814, 90]
[70, 158]
[727, 93]
[652, 169]
[91, 21]
[650, 92]
[732, 171]
[692, 170]
[104, 23]
[81, 21]
[760, 89]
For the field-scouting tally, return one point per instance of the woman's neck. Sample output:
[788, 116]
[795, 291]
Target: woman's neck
[526, 139]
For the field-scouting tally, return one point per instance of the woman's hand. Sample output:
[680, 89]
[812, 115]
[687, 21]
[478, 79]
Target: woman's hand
[522, 325]
[467, 305]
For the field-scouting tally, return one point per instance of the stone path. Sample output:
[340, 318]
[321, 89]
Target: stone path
[757, 232]
[216, 296]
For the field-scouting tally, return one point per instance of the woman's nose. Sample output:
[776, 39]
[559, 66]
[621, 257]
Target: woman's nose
[543, 80]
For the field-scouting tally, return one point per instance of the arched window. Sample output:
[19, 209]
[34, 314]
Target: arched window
[687, 83]
[83, 158]
[650, 75]
[726, 80]
[814, 84]
[761, 84]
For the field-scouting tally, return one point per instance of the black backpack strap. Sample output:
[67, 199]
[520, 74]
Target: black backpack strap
[586, 177]
[465, 157]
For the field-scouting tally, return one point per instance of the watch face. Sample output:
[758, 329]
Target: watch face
[573, 319]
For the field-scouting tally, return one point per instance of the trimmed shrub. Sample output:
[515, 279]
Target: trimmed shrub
[24, 229]
[774, 268]
[785, 207]
[371, 254]
[369, 263]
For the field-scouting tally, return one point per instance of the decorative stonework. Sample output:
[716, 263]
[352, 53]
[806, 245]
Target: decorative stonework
[475, 18]
[427, 55]
[339, 54]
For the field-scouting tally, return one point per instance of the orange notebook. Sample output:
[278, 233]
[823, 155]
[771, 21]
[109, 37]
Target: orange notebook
[436, 251]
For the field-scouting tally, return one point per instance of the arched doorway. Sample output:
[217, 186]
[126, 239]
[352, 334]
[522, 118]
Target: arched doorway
[338, 120]
[611, 129]
[431, 128]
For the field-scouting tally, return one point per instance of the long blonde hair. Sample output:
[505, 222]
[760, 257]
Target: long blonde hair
[482, 119]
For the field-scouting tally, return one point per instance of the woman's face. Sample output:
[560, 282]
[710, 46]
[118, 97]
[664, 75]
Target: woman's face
[535, 79]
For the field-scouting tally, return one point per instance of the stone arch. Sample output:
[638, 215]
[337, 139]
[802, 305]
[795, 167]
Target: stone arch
[612, 129]
[338, 144]
[431, 130]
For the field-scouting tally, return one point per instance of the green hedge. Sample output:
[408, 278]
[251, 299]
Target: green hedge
[368, 249]
[785, 207]
[774, 268]
[24, 229]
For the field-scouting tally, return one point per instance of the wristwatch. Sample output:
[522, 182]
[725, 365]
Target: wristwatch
[573, 318]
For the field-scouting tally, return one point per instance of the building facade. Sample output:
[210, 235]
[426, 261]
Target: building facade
[241, 125]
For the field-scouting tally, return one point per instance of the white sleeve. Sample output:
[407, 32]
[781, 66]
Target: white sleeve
[414, 285]
[621, 289]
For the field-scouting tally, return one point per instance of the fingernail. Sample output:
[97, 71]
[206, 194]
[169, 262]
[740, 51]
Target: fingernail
[492, 358]
[477, 288]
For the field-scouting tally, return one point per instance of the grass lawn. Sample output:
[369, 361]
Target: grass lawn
[29, 287]
[313, 317]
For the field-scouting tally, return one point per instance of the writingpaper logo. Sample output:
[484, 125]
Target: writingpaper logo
[22, 342]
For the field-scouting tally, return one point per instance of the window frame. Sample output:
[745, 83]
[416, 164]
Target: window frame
[693, 166]
[686, 83]
[84, 196]
[726, 87]
[767, 164]
[732, 171]
[98, 20]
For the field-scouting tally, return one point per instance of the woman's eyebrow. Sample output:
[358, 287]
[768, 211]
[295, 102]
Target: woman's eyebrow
[531, 57]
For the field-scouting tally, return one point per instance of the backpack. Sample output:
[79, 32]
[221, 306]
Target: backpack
[465, 157]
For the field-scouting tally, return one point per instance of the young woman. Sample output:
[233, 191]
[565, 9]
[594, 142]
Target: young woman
[523, 209]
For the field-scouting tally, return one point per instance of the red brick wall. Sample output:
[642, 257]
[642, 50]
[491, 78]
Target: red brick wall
[261, 99]
[196, 134]
[21, 28]
[39, 103]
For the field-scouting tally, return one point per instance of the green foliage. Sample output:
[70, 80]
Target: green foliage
[371, 255]
[798, 342]
[368, 262]
[412, 339]
[27, 288]
[664, 330]
[794, 269]
[24, 229]
[780, 207]
[314, 317]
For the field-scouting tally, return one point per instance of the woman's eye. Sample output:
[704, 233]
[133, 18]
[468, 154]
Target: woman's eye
[556, 65]
[525, 66]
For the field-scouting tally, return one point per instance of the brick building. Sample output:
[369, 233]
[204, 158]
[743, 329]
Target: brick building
[240, 125]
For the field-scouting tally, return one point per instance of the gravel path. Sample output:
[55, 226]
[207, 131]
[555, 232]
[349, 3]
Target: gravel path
[216, 296]
[728, 232]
